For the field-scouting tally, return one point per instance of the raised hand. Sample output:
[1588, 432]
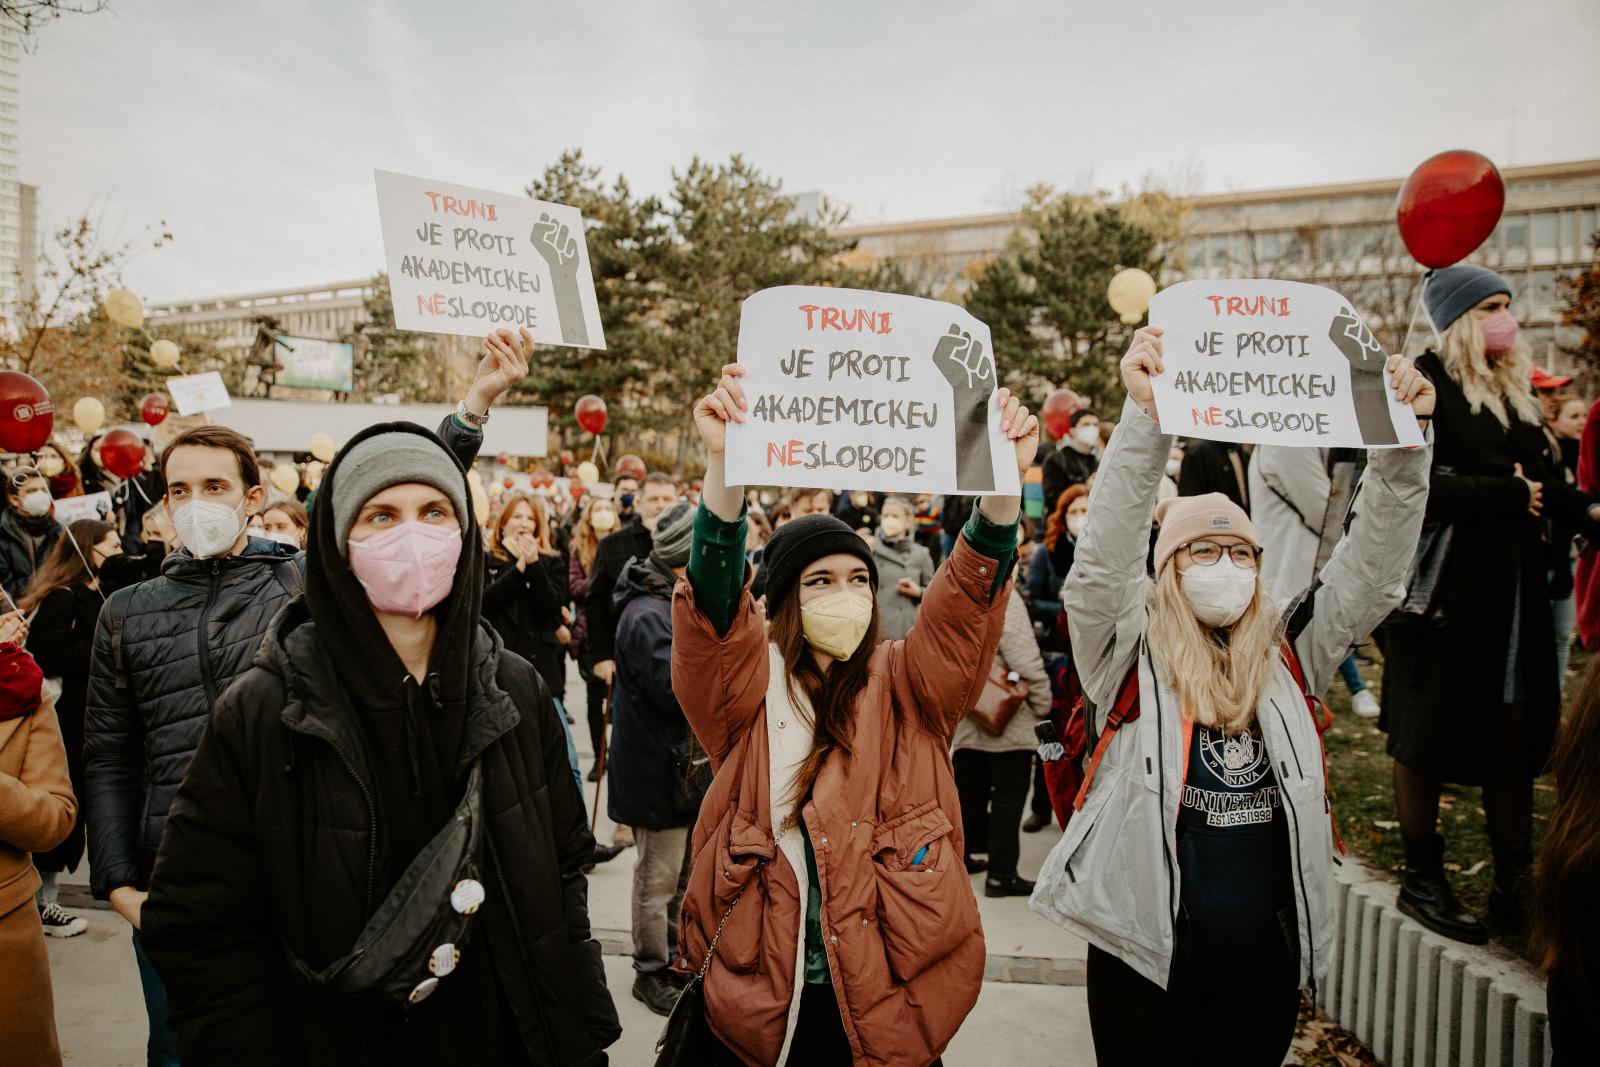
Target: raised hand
[1020, 428]
[504, 364]
[970, 372]
[559, 247]
[1367, 361]
[1411, 386]
[1139, 364]
[724, 404]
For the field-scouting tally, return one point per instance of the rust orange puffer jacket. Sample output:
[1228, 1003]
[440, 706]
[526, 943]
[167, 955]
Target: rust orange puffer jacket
[904, 942]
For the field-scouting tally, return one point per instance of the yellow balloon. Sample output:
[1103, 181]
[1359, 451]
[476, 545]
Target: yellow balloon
[89, 414]
[314, 471]
[480, 505]
[475, 477]
[164, 354]
[285, 478]
[124, 309]
[322, 447]
[1129, 293]
[588, 473]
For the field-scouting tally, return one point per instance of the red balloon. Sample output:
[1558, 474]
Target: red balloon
[574, 489]
[509, 481]
[503, 459]
[542, 478]
[567, 458]
[26, 414]
[591, 413]
[631, 464]
[122, 453]
[153, 409]
[1449, 206]
[1058, 409]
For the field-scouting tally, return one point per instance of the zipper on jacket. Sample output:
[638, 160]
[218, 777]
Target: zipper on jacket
[522, 952]
[207, 678]
[372, 812]
[1299, 865]
[1161, 782]
[1295, 752]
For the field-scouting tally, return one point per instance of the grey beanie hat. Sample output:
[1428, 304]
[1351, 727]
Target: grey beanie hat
[1451, 292]
[386, 459]
[673, 533]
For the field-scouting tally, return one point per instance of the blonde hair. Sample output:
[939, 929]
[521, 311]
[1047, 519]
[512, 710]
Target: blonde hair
[1219, 675]
[1490, 385]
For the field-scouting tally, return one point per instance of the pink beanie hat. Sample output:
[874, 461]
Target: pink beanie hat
[1194, 518]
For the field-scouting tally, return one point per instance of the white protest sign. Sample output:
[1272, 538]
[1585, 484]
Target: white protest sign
[70, 509]
[194, 393]
[468, 261]
[1273, 362]
[850, 389]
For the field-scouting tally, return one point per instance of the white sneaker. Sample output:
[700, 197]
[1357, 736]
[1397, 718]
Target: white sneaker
[1365, 704]
[57, 923]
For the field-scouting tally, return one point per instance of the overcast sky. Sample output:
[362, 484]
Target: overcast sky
[253, 129]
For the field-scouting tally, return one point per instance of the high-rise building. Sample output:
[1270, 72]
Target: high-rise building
[10, 193]
[28, 238]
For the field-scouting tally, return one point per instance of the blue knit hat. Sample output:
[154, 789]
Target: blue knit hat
[1450, 292]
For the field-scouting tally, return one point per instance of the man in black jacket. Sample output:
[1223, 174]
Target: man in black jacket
[1073, 460]
[166, 649]
[314, 902]
[632, 541]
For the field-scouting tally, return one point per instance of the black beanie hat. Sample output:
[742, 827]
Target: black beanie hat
[799, 543]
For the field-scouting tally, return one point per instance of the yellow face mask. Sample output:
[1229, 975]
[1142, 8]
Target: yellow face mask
[836, 623]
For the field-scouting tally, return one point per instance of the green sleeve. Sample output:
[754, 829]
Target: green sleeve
[716, 566]
[995, 540]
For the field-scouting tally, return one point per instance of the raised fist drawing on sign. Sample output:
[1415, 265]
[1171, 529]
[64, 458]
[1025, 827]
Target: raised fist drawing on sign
[970, 371]
[559, 247]
[1368, 384]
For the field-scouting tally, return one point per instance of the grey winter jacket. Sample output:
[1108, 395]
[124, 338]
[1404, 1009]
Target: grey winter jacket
[1019, 651]
[1113, 877]
[903, 559]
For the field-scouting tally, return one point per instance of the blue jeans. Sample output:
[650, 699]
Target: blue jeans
[1351, 676]
[162, 1049]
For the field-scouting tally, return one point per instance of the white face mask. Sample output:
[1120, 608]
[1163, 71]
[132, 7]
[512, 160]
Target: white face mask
[36, 503]
[1172, 468]
[208, 529]
[1076, 524]
[1218, 593]
[893, 527]
[603, 519]
[1086, 435]
[285, 538]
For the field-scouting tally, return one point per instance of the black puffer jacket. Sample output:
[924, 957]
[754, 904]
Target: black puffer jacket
[271, 837]
[18, 560]
[164, 651]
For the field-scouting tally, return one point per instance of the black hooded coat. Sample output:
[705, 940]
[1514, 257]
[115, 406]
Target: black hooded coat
[323, 771]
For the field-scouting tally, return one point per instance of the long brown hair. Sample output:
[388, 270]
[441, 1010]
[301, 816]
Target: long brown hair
[63, 566]
[541, 522]
[833, 694]
[1566, 929]
[585, 543]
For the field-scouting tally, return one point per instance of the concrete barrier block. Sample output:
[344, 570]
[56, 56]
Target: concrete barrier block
[1367, 970]
[1403, 1012]
[1499, 1026]
[1425, 1003]
[1349, 958]
[1447, 1032]
[1474, 1018]
[1328, 989]
[1529, 1046]
[1384, 985]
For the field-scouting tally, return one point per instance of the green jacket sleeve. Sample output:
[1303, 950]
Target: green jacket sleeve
[716, 566]
[997, 541]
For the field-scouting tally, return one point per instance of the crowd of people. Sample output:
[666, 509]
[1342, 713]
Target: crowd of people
[317, 748]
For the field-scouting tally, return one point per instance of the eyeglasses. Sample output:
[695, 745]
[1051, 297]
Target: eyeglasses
[1205, 553]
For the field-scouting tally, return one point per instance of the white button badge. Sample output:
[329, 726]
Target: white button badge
[466, 896]
[444, 959]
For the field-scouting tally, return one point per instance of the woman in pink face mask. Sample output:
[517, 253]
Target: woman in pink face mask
[383, 847]
[1471, 691]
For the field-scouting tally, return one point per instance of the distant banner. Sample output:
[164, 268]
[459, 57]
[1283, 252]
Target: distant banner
[467, 261]
[69, 509]
[194, 393]
[1263, 361]
[850, 389]
[309, 363]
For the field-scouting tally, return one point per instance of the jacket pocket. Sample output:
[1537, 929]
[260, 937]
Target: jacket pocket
[735, 862]
[924, 909]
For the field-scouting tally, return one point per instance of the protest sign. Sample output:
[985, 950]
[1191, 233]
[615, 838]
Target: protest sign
[309, 363]
[70, 509]
[194, 393]
[851, 389]
[1263, 361]
[467, 261]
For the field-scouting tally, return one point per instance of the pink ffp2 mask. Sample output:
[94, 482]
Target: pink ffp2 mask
[1499, 331]
[409, 569]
